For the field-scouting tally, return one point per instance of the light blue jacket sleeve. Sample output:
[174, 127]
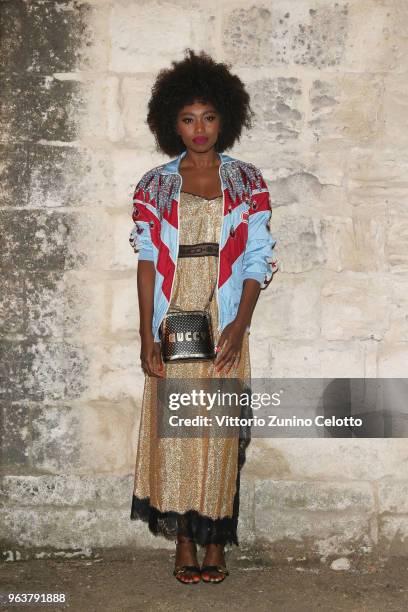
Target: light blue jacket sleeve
[260, 261]
[140, 238]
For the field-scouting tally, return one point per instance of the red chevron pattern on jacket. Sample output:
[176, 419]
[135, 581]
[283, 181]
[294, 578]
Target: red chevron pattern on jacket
[246, 245]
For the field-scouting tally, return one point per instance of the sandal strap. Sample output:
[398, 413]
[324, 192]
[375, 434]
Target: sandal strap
[182, 569]
[221, 569]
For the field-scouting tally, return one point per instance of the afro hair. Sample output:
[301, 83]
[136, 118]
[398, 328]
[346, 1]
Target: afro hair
[197, 78]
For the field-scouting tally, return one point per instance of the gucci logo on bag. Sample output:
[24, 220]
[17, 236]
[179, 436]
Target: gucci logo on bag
[187, 336]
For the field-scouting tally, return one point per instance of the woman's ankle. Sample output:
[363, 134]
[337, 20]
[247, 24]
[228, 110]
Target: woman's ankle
[214, 550]
[184, 540]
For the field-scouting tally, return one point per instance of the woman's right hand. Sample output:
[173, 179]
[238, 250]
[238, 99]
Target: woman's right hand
[150, 357]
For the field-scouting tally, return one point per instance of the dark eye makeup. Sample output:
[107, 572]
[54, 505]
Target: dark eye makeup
[186, 119]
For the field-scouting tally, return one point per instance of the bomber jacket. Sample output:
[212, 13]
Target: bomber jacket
[245, 242]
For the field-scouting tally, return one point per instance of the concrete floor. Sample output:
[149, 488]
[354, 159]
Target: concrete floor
[144, 581]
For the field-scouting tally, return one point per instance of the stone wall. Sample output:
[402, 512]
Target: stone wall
[327, 84]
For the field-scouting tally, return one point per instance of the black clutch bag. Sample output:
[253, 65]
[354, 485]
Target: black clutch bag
[187, 335]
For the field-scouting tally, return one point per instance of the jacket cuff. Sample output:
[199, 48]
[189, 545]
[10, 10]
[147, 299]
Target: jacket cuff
[141, 247]
[145, 255]
[254, 276]
[273, 267]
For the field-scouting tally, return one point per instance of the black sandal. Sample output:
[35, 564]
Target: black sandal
[187, 570]
[219, 569]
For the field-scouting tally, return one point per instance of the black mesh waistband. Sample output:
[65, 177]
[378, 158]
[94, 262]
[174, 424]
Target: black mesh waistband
[198, 250]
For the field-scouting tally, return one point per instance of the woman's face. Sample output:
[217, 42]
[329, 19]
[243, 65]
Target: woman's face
[198, 125]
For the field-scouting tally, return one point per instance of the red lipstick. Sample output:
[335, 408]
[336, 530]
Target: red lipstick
[200, 139]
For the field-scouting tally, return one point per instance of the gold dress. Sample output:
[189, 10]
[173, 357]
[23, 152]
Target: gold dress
[190, 485]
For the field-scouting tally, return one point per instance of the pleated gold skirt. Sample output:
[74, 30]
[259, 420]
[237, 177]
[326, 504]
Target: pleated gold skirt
[190, 486]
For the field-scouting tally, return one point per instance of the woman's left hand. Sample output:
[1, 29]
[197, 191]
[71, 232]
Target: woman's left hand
[229, 346]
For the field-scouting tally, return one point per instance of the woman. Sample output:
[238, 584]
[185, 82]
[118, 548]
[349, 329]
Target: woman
[201, 223]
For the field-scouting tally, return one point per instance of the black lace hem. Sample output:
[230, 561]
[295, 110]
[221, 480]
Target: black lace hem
[200, 528]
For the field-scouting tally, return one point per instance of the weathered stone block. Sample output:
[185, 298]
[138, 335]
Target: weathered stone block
[393, 496]
[300, 242]
[34, 239]
[107, 435]
[324, 179]
[347, 109]
[309, 186]
[322, 535]
[134, 107]
[356, 243]
[339, 241]
[68, 490]
[114, 370]
[42, 303]
[376, 37]
[41, 370]
[398, 294]
[393, 535]
[265, 462]
[392, 360]
[13, 49]
[44, 294]
[47, 36]
[282, 359]
[124, 311]
[369, 243]
[326, 517]
[354, 307]
[286, 34]
[17, 360]
[14, 175]
[45, 240]
[40, 107]
[396, 252]
[377, 181]
[364, 459]
[86, 305]
[289, 310]
[67, 176]
[70, 529]
[13, 313]
[276, 103]
[282, 496]
[395, 116]
[40, 175]
[144, 36]
[348, 359]
[246, 522]
[15, 435]
[76, 369]
[55, 438]
[90, 241]
[103, 118]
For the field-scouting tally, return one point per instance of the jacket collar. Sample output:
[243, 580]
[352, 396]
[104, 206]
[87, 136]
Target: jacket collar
[172, 167]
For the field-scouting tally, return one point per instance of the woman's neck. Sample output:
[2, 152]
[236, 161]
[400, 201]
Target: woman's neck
[207, 159]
